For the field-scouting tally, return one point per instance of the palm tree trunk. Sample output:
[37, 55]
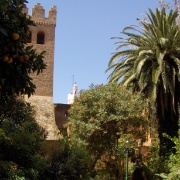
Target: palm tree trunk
[168, 123]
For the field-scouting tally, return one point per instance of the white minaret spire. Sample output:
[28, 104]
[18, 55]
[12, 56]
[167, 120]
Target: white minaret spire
[75, 89]
[74, 93]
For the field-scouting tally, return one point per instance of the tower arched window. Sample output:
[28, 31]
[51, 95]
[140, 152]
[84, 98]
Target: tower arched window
[29, 38]
[40, 37]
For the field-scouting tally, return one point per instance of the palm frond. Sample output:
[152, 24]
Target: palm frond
[129, 80]
[150, 54]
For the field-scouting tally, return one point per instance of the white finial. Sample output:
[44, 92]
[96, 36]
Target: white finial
[74, 93]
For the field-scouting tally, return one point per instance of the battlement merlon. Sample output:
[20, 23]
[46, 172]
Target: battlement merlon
[38, 15]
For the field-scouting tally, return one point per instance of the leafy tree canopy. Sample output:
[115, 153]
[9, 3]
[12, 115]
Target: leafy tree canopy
[21, 140]
[103, 114]
[17, 58]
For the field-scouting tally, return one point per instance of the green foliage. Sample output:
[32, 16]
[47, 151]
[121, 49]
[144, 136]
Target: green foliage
[17, 58]
[155, 163]
[21, 140]
[174, 162]
[102, 114]
[70, 162]
[159, 167]
[105, 115]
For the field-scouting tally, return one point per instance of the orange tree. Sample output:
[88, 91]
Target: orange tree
[17, 59]
[102, 118]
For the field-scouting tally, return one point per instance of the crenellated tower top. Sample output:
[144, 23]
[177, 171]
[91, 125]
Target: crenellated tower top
[38, 15]
[42, 37]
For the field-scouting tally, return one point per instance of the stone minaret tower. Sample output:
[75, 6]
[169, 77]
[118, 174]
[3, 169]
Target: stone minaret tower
[73, 94]
[42, 37]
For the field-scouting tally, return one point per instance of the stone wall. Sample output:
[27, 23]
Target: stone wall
[45, 116]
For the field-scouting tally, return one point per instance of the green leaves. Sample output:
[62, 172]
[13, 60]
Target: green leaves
[102, 112]
[21, 139]
[102, 119]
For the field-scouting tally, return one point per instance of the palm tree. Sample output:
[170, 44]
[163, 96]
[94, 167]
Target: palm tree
[149, 58]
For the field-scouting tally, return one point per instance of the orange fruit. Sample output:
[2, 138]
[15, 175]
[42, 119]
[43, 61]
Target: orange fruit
[26, 57]
[10, 60]
[5, 58]
[21, 58]
[15, 36]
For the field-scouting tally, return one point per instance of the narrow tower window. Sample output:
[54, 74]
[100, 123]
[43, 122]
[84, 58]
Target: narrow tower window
[66, 114]
[40, 37]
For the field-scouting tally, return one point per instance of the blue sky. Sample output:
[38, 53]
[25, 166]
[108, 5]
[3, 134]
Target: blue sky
[83, 44]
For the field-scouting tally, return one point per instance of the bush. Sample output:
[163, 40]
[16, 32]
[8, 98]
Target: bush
[21, 139]
[70, 162]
